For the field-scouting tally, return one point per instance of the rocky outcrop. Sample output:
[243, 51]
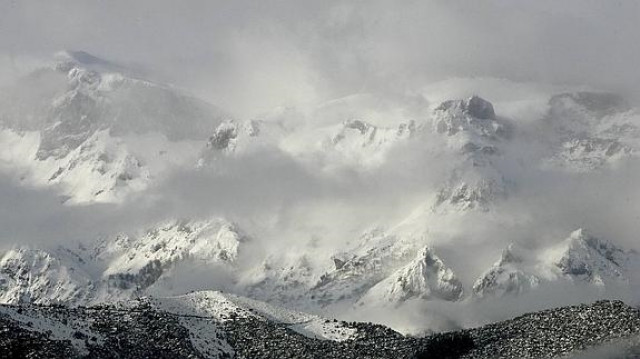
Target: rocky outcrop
[474, 116]
[472, 129]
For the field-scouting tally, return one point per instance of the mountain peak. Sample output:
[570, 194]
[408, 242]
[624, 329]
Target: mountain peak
[426, 278]
[581, 258]
[480, 108]
[474, 106]
[474, 117]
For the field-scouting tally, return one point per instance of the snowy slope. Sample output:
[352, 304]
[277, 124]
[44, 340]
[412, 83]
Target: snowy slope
[223, 306]
[356, 271]
[581, 259]
[123, 266]
[78, 115]
[426, 277]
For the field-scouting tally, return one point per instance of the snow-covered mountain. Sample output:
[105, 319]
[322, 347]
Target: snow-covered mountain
[120, 267]
[38, 276]
[426, 277]
[471, 128]
[435, 176]
[96, 130]
[581, 259]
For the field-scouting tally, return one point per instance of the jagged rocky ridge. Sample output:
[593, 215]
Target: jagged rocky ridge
[579, 259]
[141, 330]
[120, 267]
[376, 274]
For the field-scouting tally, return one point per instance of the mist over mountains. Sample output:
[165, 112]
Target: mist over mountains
[121, 191]
[409, 165]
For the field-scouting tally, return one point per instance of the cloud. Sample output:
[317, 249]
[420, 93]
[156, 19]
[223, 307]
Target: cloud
[31, 216]
[249, 56]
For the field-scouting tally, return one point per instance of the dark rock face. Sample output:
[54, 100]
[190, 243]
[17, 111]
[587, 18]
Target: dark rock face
[361, 126]
[147, 275]
[475, 107]
[142, 332]
[480, 108]
[222, 136]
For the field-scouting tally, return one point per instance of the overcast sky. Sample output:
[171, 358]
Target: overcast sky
[249, 56]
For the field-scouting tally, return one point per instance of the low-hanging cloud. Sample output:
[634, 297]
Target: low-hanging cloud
[250, 56]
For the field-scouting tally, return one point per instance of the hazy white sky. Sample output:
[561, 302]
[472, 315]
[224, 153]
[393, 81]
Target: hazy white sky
[249, 56]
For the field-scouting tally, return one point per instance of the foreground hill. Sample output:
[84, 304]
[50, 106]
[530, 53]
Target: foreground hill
[216, 325]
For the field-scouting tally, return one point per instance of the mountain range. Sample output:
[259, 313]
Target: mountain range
[444, 176]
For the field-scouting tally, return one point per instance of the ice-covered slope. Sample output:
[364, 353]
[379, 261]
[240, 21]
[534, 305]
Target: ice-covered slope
[380, 270]
[507, 276]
